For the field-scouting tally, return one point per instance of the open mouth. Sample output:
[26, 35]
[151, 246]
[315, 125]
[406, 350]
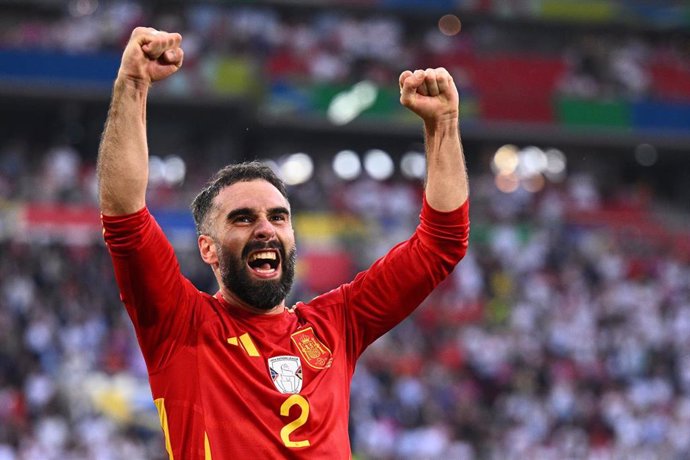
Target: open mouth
[265, 262]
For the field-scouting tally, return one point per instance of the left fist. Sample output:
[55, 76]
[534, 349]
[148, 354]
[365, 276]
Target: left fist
[431, 94]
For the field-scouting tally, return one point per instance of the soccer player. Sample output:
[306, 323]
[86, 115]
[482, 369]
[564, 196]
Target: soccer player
[239, 374]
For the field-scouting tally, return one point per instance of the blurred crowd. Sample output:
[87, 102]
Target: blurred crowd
[552, 340]
[239, 48]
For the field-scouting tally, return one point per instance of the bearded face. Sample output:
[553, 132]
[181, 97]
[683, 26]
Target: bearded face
[261, 276]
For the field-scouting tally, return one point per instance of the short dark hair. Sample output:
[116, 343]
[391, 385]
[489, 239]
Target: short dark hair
[240, 172]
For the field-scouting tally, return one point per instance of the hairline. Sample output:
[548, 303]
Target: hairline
[205, 201]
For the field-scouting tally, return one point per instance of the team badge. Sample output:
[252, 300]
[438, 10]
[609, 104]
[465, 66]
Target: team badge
[286, 373]
[312, 350]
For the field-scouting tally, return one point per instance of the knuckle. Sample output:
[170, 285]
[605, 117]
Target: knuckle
[140, 30]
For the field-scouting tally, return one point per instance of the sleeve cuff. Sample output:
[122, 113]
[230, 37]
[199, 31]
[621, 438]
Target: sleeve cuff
[126, 232]
[459, 215]
[114, 219]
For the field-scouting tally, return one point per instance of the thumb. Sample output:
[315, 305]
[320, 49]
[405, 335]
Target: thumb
[409, 83]
[403, 76]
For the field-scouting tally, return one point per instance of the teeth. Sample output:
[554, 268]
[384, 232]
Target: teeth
[263, 255]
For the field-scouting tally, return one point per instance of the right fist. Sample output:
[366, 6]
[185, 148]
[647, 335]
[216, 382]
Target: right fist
[151, 55]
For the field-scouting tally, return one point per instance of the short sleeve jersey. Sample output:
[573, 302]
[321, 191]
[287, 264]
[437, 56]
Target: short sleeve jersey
[229, 384]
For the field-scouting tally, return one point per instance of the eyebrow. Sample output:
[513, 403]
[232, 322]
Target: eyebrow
[250, 212]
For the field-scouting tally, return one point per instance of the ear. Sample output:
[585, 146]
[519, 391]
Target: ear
[207, 249]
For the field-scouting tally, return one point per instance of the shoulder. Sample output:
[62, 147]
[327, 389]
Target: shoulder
[332, 297]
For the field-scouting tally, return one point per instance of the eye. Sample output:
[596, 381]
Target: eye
[279, 218]
[243, 219]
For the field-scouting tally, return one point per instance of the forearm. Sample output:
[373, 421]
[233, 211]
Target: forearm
[446, 180]
[123, 153]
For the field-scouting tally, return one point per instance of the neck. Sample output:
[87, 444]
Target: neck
[235, 302]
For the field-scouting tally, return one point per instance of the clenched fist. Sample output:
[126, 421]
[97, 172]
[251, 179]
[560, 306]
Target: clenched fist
[151, 55]
[431, 94]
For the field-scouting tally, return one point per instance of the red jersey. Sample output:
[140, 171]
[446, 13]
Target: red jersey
[230, 384]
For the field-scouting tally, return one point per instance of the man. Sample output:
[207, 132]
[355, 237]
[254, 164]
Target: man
[237, 374]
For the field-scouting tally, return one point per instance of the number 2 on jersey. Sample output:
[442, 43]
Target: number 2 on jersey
[298, 422]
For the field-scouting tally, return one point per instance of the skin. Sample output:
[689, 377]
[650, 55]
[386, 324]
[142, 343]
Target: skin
[149, 56]
[152, 55]
[244, 212]
[432, 95]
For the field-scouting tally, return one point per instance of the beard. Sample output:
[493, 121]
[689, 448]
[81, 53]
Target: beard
[260, 294]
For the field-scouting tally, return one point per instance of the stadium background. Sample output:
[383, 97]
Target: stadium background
[564, 334]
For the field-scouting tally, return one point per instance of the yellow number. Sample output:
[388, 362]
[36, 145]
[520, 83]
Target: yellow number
[298, 422]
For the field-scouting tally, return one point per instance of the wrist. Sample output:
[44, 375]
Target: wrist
[132, 83]
[442, 125]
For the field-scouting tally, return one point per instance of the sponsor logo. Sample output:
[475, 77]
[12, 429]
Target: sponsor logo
[315, 353]
[286, 373]
[244, 341]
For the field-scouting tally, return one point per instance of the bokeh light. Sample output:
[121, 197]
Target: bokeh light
[156, 169]
[533, 161]
[348, 105]
[346, 165]
[449, 24]
[529, 167]
[174, 170]
[646, 155]
[79, 8]
[297, 169]
[556, 164]
[534, 183]
[413, 165]
[505, 160]
[507, 183]
[378, 164]
[170, 170]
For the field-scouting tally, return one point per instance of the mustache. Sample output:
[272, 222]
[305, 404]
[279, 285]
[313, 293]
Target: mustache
[258, 246]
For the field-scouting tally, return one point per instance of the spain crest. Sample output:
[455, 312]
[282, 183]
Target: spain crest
[315, 353]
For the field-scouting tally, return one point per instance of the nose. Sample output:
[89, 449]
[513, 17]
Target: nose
[264, 230]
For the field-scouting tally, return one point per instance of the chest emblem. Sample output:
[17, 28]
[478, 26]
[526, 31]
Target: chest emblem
[315, 353]
[286, 373]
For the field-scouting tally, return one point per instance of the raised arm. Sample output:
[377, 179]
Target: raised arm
[432, 95]
[149, 56]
